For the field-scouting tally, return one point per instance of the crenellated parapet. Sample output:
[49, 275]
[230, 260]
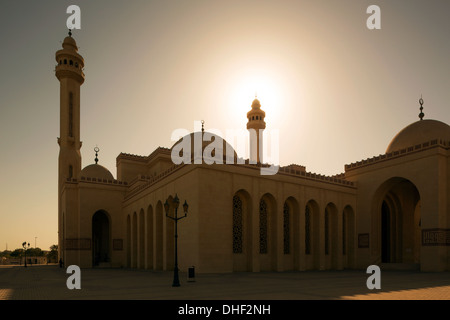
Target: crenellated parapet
[135, 157]
[337, 179]
[143, 182]
[97, 180]
[399, 153]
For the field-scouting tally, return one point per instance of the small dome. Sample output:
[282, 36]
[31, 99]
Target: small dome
[256, 104]
[96, 171]
[70, 43]
[419, 132]
[256, 110]
[225, 149]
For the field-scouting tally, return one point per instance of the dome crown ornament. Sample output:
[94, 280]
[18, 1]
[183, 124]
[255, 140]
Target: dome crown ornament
[96, 149]
[421, 114]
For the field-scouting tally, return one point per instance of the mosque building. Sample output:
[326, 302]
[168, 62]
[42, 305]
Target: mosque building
[391, 210]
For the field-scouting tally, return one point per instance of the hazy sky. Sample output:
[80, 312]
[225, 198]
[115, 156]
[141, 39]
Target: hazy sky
[336, 91]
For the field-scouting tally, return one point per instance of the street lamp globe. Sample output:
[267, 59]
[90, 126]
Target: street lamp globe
[185, 207]
[166, 207]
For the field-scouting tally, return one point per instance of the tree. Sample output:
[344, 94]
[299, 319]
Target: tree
[16, 253]
[5, 253]
[52, 256]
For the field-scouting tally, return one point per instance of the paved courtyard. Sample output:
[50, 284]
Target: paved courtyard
[49, 283]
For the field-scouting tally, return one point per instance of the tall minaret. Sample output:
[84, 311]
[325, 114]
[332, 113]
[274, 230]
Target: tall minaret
[69, 72]
[256, 122]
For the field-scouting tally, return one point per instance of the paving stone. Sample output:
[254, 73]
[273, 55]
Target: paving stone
[49, 283]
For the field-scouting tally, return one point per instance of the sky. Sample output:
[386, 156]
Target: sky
[336, 91]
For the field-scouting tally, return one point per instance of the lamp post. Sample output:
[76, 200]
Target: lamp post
[24, 245]
[176, 203]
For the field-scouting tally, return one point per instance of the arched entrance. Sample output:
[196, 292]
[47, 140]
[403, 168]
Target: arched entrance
[398, 222]
[100, 238]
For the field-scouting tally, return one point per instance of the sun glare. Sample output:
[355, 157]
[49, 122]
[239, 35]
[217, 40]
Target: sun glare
[249, 87]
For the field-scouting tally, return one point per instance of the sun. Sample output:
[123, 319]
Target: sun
[256, 85]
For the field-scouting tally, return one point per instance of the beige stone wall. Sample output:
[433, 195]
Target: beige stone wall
[414, 184]
[205, 236]
[81, 200]
[150, 234]
[424, 170]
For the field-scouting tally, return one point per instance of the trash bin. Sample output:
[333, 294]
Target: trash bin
[191, 274]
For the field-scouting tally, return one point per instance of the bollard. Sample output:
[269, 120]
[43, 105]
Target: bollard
[191, 274]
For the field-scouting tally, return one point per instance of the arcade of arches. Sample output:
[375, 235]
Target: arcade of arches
[289, 239]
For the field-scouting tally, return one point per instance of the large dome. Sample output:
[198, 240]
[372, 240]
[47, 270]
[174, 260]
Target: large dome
[96, 171]
[419, 132]
[209, 143]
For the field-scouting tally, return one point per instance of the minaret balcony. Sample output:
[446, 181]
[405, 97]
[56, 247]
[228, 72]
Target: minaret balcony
[68, 71]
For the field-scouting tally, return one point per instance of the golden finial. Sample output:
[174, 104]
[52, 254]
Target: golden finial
[96, 149]
[421, 114]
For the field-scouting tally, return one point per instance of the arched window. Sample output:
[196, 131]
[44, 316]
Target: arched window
[307, 230]
[286, 229]
[253, 117]
[237, 224]
[71, 62]
[263, 227]
[65, 61]
[76, 65]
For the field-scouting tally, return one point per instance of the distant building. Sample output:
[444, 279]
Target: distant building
[392, 209]
[19, 261]
[35, 260]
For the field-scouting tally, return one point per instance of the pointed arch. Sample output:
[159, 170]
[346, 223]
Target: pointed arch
[242, 231]
[149, 238]
[348, 237]
[169, 238]
[396, 209]
[141, 243]
[128, 241]
[134, 239]
[267, 232]
[291, 234]
[159, 236]
[331, 236]
[312, 235]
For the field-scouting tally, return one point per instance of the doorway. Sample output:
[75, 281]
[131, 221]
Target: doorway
[100, 238]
